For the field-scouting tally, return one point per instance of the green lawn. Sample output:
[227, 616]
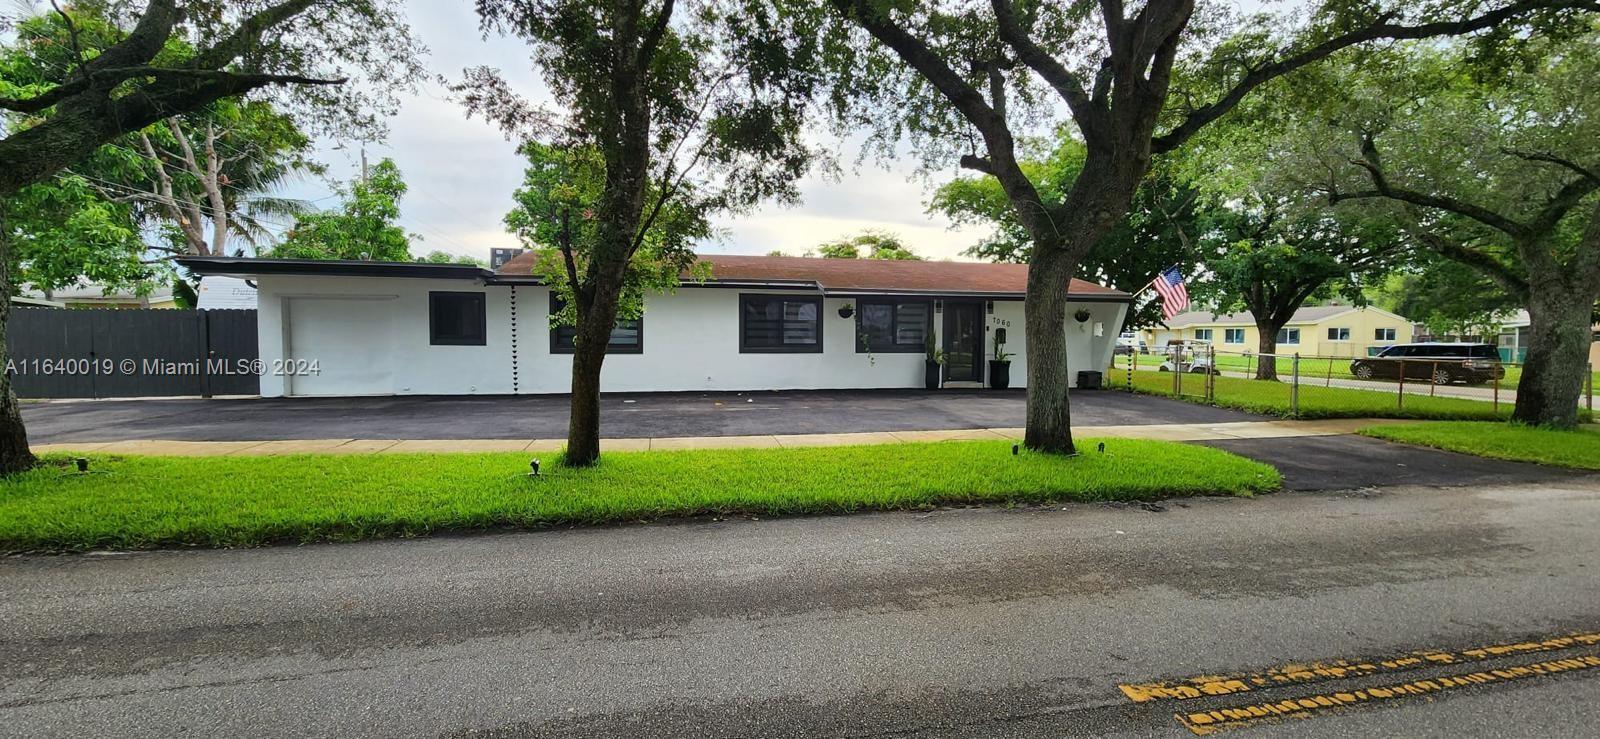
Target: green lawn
[1272, 398]
[1579, 449]
[144, 502]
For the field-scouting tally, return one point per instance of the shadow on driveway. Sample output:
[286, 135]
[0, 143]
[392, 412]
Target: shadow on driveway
[545, 416]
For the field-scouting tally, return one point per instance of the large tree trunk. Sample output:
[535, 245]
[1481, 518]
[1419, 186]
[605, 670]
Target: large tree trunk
[1049, 426]
[1266, 349]
[588, 356]
[1558, 355]
[14, 453]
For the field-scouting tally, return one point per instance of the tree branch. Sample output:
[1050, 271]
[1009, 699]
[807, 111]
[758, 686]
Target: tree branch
[1371, 162]
[1544, 156]
[977, 164]
[248, 34]
[1378, 30]
[652, 37]
[1066, 84]
[104, 79]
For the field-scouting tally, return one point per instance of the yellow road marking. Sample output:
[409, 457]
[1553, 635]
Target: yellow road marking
[1202, 686]
[1206, 722]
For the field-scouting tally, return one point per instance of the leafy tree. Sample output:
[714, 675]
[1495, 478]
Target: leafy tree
[875, 244]
[442, 257]
[1157, 232]
[1527, 217]
[63, 231]
[200, 178]
[960, 78]
[260, 47]
[1269, 261]
[556, 217]
[363, 227]
[1449, 298]
[673, 112]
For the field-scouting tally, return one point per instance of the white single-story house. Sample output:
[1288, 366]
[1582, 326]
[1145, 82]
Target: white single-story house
[758, 323]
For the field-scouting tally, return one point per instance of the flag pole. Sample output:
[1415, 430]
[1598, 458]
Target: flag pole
[1151, 282]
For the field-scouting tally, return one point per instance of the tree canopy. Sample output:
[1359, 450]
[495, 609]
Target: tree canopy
[364, 226]
[869, 244]
[1493, 163]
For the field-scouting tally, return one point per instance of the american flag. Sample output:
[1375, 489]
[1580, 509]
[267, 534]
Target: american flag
[1174, 296]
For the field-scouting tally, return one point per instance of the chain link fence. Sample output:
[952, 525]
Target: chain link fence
[1427, 384]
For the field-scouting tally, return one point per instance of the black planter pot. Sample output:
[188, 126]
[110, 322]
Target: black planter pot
[930, 375]
[999, 374]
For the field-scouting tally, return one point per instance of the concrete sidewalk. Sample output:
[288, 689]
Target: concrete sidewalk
[1164, 432]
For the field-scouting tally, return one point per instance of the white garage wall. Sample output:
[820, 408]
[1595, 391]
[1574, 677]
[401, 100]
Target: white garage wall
[416, 367]
[691, 342]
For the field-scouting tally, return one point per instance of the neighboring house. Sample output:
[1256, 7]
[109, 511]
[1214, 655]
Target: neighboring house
[91, 295]
[759, 323]
[1594, 349]
[223, 293]
[1324, 330]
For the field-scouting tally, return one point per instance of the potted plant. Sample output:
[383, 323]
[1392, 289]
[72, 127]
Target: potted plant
[1000, 367]
[933, 365]
[1082, 315]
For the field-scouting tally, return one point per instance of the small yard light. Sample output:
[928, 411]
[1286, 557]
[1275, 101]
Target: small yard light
[534, 465]
[83, 464]
[1102, 447]
[1013, 450]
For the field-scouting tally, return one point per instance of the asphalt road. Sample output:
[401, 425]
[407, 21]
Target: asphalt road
[992, 622]
[545, 416]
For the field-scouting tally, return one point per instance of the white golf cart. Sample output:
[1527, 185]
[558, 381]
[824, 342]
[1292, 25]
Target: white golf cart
[1188, 356]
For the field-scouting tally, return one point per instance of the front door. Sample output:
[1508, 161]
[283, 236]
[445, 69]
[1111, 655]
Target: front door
[963, 341]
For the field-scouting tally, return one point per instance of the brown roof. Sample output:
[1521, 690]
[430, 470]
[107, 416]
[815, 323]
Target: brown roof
[867, 275]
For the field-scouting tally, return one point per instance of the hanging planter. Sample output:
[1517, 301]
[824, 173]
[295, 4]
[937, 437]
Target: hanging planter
[1082, 316]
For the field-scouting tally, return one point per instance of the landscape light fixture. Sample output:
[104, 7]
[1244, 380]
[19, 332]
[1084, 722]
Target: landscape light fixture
[534, 466]
[83, 464]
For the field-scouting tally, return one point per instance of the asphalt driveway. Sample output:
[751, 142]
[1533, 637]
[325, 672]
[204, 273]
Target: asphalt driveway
[545, 417]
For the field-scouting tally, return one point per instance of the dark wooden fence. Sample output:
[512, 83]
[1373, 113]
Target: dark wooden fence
[68, 353]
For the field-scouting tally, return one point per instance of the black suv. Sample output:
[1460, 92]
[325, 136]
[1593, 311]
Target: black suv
[1441, 364]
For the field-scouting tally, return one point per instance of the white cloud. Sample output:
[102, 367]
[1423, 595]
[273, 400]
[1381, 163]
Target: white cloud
[461, 172]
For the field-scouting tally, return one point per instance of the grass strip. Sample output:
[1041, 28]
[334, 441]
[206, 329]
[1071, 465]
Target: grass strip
[134, 502]
[1272, 398]
[1579, 449]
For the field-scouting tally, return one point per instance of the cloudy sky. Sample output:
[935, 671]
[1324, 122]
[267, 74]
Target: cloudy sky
[461, 172]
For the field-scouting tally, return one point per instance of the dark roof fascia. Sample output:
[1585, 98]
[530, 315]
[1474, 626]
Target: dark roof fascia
[873, 293]
[251, 267]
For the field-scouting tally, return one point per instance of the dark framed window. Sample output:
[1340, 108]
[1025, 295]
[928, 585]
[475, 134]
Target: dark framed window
[1288, 336]
[627, 337]
[779, 323]
[457, 319]
[885, 326]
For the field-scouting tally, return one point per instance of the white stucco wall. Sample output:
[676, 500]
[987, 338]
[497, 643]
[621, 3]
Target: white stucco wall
[691, 342]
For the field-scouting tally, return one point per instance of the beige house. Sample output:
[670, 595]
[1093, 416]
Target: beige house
[87, 294]
[1324, 330]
